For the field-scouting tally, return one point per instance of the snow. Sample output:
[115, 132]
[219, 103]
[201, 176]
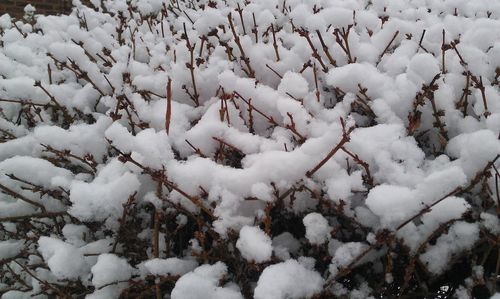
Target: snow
[461, 236]
[288, 280]
[104, 197]
[63, 259]
[470, 156]
[203, 282]
[254, 244]
[294, 84]
[110, 269]
[345, 254]
[392, 203]
[422, 68]
[234, 158]
[10, 248]
[317, 228]
[171, 266]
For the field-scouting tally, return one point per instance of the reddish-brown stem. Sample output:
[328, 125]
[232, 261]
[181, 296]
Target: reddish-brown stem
[420, 42]
[369, 178]
[168, 113]
[274, 71]
[304, 33]
[388, 45]
[344, 140]
[325, 49]
[275, 44]
[249, 71]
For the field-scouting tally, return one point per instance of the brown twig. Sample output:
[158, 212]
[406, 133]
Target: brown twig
[326, 50]
[304, 33]
[32, 216]
[160, 177]
[195, 96]
[15, 194]
[275, 44]
[168, 113]
[388, 45]
[344, 140]
[420, 42]
[249, 70]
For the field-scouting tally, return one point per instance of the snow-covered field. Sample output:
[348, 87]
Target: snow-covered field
[251, 149]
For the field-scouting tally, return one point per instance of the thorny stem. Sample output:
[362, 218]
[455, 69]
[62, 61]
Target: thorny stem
[22, 102]
[197, 150]
[411, 265]
[15, 194]
[255, 30]
[123, 219]
[158, 177]
[240, 12]
[48, 285]
[87, 160]
[317, 93]
[344, 140]
[342, 39]
[67, 118]
[479, 85]
[420, 42]
[275, 44]
[269, 118]
[326, 50]
[388, 45]
[464, 100]
[274, 71]
[195, 96]
[304, 33]
[249, 71]
[369, 178]
[428, 208]
[33, 216]
[168, 113]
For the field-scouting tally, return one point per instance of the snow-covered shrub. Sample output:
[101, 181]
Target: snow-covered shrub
[240, 149]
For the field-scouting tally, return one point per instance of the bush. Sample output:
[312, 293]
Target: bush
[239, 149]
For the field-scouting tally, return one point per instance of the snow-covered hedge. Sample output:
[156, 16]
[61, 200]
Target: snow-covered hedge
[251, 149]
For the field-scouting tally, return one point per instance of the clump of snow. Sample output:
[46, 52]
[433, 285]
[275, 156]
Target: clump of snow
[288, 280]
[254, 244]
[171, 266]
[461, 236]
[10, 248]
[203, 282]
[317, 228]
[109, 269]
[144, 139]
[344, 254]
[64, 260]
[422, 68]
[294, 84]
[105, 196]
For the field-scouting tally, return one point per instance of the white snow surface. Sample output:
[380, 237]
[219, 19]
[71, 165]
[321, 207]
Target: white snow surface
[317, 228]
[203, 282]
[86, 143]
[290, 280]
[171, 266]
[254, 244]
[64, 260]
[109, 269]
